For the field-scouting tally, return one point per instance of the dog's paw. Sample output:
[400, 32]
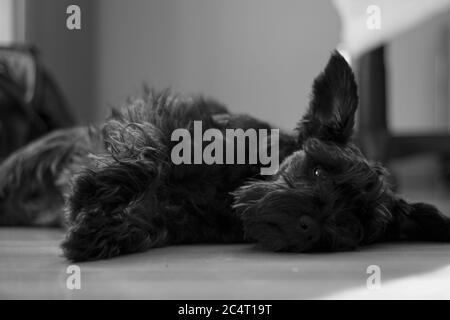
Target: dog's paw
[97, 236]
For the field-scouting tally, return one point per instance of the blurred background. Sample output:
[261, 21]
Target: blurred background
[255, 56]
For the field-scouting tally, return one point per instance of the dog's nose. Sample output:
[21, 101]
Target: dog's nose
[309, 229]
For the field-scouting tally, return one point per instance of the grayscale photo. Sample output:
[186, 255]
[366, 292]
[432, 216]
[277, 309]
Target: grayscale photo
[224, 156]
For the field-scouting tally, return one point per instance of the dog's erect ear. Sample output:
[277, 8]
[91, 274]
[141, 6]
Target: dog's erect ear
[334, 99]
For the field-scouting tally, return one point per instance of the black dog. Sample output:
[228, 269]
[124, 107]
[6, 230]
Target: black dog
[127, 196]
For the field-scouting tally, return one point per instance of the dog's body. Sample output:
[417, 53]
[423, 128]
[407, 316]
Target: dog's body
[127, 195]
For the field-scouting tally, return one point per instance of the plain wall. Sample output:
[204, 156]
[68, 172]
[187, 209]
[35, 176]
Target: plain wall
[6, 21]
[68, 54]
[256, 56]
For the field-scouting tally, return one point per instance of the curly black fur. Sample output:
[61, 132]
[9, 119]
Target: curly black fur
[127, 196]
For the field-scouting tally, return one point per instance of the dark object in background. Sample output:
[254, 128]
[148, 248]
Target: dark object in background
[31, 103]
[378, 142]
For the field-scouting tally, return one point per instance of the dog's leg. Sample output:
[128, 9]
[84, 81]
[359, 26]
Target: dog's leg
[113, 211]
[421, 222]
[114, 208]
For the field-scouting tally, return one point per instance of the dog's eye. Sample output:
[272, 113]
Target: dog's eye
[319, 173]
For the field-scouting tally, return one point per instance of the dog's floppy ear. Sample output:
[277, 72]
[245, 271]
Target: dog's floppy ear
[334, 99]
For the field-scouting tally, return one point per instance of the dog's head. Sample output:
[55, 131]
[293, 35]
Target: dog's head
[327, 195]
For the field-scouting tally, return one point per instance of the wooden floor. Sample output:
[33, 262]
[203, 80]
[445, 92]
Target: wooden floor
[31, 266]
